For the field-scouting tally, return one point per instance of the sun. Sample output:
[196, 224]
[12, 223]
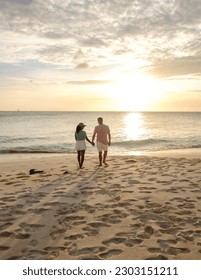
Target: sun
[134, 93]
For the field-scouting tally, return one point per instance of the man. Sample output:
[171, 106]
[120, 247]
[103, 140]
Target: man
[103, 139]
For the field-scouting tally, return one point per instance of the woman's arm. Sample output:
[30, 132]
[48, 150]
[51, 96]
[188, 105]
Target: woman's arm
[89, 141]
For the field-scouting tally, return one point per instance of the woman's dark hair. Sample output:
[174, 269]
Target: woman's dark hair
[78, 128]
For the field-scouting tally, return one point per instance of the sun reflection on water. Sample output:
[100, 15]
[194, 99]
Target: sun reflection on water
[134, 126]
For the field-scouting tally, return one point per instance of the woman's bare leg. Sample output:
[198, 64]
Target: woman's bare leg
[79, 157]
[82, 158]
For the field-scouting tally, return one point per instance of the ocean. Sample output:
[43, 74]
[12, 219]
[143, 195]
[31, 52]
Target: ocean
[132, 133]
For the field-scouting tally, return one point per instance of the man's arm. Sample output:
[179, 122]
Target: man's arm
[109, 137]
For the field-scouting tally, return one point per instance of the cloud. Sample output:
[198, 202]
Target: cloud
[94, 42]
[79, 33]
[177, 67]
[20, 2]
[90, 82]
[83, 65]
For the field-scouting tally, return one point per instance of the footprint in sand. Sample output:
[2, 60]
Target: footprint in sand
[74, 237]
[18, 184]
[15, 258]
[90, 231]
[185, 212]
[39, 210]
[32, 200]
[5, 234]
[152, 179]
[10, 183]
[58, 194]
[187, 205]
[154, 250]
[168, 231]
[158, 257]
[9, 199]
[109, 218]
[30, 227]
[114, 240]
[4, 248]
[18, 212]
[98, 225]
[33, 243]
[88, 250]
[54, 250]
[110, 253]
[197, 224]
[168, 241]
[164, 225]
[36, 254]
[130, 242]
[74, 218]
[133, 182]
[21, 235]
[4, 226]
[57, 232]
[125, 238]
[177, 250]
[188, 235]
[90, 257]
[78, 223]
[148, 232]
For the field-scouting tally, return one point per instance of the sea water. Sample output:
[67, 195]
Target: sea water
[132, 132]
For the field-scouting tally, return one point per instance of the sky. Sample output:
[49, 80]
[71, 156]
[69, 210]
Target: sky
[100, 55]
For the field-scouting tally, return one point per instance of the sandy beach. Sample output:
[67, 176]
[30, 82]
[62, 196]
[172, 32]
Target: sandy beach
[137, 208]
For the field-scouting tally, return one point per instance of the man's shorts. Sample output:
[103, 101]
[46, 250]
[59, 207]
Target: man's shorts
[101, 147]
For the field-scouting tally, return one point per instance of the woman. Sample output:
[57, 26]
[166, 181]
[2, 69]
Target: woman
[80, 146]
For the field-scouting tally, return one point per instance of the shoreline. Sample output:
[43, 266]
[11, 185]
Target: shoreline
[14, 157]
[25, 162]
[139, 207]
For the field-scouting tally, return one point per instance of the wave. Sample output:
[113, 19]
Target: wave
[132, 145]
[28, 151]
[140, 143]
[38, 149]
[15, 151]
[154, 145]
[15, 139]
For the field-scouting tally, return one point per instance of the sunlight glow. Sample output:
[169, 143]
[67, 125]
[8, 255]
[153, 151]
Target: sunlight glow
[135, 92]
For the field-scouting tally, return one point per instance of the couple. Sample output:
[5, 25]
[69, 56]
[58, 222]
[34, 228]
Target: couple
[102, 132]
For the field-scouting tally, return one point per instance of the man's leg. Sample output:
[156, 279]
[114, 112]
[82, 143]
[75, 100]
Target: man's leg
[104, 157]
[100, 158]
